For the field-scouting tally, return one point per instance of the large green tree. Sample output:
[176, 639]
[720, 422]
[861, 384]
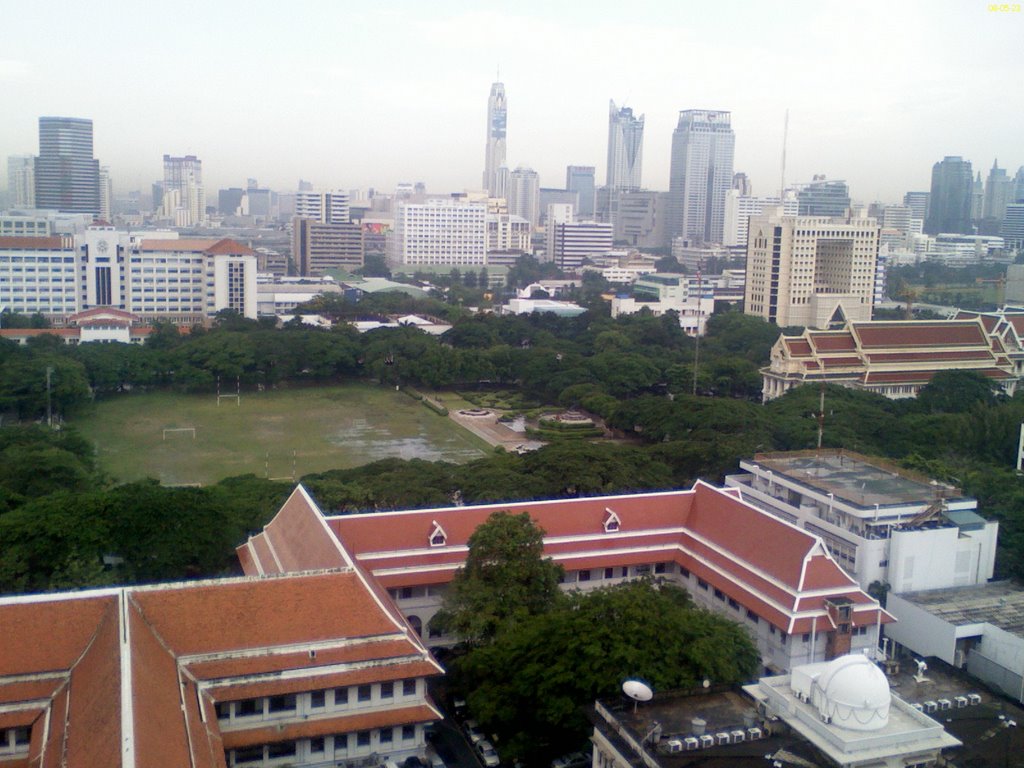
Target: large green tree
[506, 580]
[532, 684]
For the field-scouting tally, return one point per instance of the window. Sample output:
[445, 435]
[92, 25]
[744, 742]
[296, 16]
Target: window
[806, 637]
[702, 584]
[684, 572]
[281, 749]
[223, 712]
[583, 576]
[408, 687]
[408, 732]
[364, 693]
[282, 703]
[386, 735]
[340, 697]
[341, 742]
[661, 567]
[316, 744]
[363, 739]
[249, 707]
[609, 573]
[720, 595]
[782, 637]
[387, 690]
[734, 604]
[752, 616]
[249, 755]
[317, 699]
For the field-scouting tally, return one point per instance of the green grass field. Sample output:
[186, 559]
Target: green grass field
[326, 428]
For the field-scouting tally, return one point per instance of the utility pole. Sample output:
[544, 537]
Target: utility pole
[821, 417]
[49, 398]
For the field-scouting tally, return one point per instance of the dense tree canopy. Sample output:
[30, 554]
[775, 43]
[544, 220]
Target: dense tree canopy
[531, 684]
[505, 581]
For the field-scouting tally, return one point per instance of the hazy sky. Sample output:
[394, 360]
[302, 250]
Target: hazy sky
[365, 94]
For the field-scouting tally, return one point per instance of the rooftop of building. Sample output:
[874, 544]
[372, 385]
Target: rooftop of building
[999, 603]
[854, 478]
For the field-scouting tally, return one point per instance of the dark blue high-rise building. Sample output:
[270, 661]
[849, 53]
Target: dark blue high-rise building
[67, 174]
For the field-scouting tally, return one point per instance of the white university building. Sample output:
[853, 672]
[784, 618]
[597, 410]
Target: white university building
[440, 232]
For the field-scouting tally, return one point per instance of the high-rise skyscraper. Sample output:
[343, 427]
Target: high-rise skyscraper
[918, 204]
[824, 198]
[184, 198]
[949, 205]
[67, 174]
[625, 148]
[700, 174]
[523, 194]
[106, 194]
[497, 121]
[21, 181]
[580, 179]
[998, 193]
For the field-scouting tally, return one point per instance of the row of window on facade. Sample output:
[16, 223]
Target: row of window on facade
[336, 698]
[340, 744]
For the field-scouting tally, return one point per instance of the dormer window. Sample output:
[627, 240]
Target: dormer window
[611, 522]
[438, 538]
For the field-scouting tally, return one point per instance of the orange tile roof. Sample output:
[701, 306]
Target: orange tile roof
[49, 243]
[196, 245]
[359, 721]
[30, 643]
[921, 333]
[219, 616]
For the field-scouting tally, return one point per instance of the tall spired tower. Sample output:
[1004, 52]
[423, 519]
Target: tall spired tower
[497, 115]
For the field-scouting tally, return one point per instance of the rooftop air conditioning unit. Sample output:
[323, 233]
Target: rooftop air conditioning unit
[707, 740]
[973, 699]
[722, 737]
[754, 733]
[691, 743]
[945, 704]
[674, 745]
[961, 702]
[930, 706]
[737, 736]
[918, 706]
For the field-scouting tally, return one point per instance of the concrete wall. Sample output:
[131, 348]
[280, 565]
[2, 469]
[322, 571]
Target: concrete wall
[920, 631]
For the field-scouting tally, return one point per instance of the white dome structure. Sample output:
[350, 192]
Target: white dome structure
[852, 692]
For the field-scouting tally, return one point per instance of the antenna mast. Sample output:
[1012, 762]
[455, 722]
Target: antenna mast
[785, 137]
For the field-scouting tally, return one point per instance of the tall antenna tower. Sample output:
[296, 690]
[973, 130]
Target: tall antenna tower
[785, 138]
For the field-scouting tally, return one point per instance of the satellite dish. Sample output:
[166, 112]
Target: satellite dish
[637, 690]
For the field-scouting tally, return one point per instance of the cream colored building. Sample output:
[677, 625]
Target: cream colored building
[810, 270]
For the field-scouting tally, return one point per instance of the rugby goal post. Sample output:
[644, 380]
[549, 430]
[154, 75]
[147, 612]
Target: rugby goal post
[174, 430]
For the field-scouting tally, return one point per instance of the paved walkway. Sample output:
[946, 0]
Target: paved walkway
[494, 432]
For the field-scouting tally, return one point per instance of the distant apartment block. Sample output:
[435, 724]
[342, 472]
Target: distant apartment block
[739, 208]
[809, 270]
[572, 242]
[440, 232]
[184, 197]
[318, 247]
[180, 280]
[21, 181]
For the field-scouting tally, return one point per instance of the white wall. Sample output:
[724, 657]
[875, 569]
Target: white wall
[920, 631]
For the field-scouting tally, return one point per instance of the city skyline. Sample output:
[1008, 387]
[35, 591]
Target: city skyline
[876, 109]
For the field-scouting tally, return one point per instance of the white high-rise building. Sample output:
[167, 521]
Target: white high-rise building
[523, 194]
[440, 232]
[21, 181]
[700, 175]
[625, 148]
[325, 207]
[184, 175]
[497, 121]
[810, 270]
[508, 233]
[739, 208]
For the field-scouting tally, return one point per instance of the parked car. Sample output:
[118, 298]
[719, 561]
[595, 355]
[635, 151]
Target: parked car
[473, 732]
[572, 760]
[488, 754]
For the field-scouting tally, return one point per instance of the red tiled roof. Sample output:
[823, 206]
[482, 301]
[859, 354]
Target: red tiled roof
[920, 333]
[930, 354]
[832, 341]
[840, 362]
[357, 721]
[798, 347]
[923, 377]
[219, 616]
[50, 243]
[30, 643]
[197, 245]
